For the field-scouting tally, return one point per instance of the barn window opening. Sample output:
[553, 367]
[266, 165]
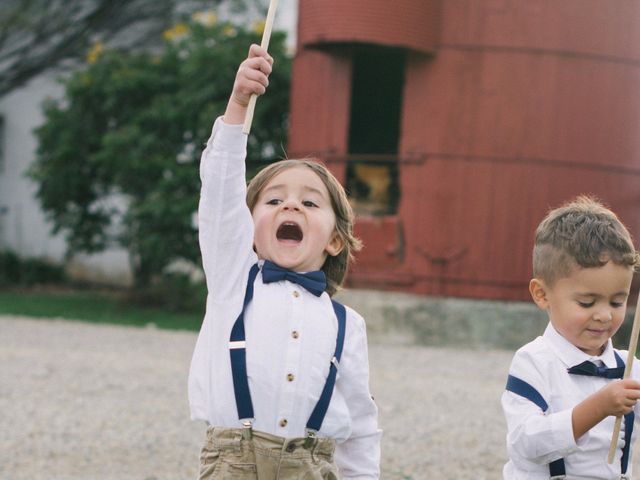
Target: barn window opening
[374, 129]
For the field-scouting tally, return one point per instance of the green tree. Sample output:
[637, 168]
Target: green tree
[118, 157]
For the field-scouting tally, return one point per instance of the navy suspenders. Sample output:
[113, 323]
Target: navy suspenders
[522, 388]
[238, 355]
[320, 410]
[557, 468]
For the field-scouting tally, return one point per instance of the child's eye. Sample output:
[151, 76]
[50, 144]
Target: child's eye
[587, 304]
[617, 304]
[274, 201]
[309, 203]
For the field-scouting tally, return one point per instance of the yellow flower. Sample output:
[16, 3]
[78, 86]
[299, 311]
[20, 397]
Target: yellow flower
[94, 52]
[207, 18]
[178, 31]
[229, 31]
[258, 27]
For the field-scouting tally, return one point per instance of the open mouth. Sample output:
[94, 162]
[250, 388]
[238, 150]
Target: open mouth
[289, 231]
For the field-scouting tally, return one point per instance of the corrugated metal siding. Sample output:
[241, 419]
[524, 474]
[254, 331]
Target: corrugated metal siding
[403, 23]
[523, 106]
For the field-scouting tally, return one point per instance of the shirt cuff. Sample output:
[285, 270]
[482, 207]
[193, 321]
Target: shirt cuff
[225, 153]
[229, 138]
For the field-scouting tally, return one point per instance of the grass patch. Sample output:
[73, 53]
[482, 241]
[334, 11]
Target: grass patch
[95, 308]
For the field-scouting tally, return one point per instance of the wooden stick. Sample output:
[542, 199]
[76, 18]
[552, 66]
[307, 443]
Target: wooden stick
[633, 344]
[266, 36]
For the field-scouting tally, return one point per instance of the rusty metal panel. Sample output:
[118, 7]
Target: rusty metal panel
[521, 107]
[319, 116]
[534, 107]
[411, 24]
[607, 29]
[472, 225]
[385, 248]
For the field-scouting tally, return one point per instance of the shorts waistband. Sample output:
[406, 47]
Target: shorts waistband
[233, 436]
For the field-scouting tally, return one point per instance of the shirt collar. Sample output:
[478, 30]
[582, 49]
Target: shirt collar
[571, 355]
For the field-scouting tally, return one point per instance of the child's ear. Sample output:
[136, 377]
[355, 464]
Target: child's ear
[335, 245]
[538, 291]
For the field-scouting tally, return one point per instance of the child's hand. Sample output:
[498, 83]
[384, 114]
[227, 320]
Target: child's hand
[252, 76]
[619, 397]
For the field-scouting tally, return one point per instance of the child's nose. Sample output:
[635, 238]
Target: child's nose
[604, 315]
[291, 204]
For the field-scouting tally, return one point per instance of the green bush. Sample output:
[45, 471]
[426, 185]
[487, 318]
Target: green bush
[118, 157]
[173, 292]
[19, 272]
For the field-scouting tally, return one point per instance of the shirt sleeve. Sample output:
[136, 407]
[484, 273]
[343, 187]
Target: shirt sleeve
[224, 221]
[533, 435]
[358, 457]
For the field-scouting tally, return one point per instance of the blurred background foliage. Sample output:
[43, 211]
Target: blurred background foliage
[38, 36]
[27, 272]
[118, 156]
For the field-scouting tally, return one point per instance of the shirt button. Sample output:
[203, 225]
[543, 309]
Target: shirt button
[283, 422]
[290, 377]
[295, 334]
[296, 293]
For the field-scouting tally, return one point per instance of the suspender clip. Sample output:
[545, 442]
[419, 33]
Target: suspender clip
[335, 363]
[247, 429]
[237, 344]
[311, 439]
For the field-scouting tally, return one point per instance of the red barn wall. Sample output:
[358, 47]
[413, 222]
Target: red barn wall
[411, 24]
[515, 108]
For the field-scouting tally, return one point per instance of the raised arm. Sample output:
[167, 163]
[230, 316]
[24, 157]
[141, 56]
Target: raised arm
[225, 223]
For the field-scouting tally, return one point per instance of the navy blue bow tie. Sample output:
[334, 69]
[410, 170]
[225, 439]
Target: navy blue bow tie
[313, 282]
[592, 370]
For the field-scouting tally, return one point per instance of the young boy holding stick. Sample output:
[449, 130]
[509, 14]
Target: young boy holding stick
[562, 393]
[280, 370]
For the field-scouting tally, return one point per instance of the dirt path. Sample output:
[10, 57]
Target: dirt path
[82, 401]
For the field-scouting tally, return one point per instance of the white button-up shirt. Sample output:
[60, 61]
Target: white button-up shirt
[535, 439]
[290, 333]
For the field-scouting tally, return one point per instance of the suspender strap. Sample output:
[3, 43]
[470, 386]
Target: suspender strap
[238, 354]
[628, 428]
[522, 388]
[320, 410]
[557, 469]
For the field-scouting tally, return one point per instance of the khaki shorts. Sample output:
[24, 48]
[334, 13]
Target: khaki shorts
[226, 455]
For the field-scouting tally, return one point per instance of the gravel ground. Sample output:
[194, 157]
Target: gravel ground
[83, 401]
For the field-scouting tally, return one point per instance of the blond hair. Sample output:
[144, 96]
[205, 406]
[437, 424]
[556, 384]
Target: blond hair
[335, 268]
[582, 232]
